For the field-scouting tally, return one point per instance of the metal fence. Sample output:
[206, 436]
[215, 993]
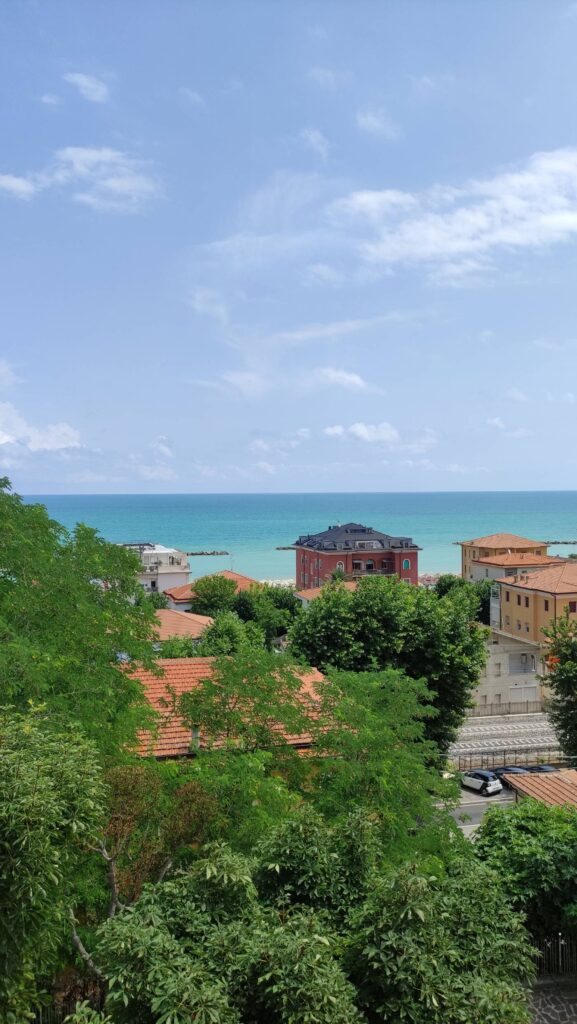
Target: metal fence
[57, 1011]
[520, 707]
[557, 955]
[511, 755]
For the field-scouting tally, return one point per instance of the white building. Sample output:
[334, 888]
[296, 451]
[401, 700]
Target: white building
[161, 568]
[511, 675]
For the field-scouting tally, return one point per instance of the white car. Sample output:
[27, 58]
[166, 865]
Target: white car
[484, 782]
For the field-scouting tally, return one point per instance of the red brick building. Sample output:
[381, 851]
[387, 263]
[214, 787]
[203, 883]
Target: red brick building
[356, 550]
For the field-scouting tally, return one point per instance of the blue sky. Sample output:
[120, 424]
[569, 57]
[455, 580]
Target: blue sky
[288, 246]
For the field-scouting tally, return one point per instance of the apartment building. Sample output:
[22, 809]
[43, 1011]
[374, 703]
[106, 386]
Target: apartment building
[474, 552]
[525, 604]
[161, 568]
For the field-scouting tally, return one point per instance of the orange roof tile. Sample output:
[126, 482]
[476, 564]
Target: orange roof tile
[185, 593]
[503, 540]
[553, 788]
[181, 675]
[557, 579]
[312, 592]
[519, 558]
[173, 623]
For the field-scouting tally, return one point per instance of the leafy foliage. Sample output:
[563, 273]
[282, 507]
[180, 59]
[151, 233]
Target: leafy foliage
[481, 588]
[562, 680]
[213, 594]
[50, 801]
[228, 634]
[271, 608]
[155, 598]
[386, 623]
[62, 631]
[534, 849]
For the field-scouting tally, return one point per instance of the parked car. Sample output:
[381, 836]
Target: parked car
[484, 782]
[508, 769]
[542, 768]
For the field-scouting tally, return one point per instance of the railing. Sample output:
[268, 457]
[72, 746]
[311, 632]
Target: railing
[557, 954]
[518, 707]
[511, 755]
[361, 573]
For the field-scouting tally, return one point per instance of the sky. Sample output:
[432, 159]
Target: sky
[288, 246]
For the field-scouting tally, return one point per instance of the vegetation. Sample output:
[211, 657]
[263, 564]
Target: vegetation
[481, 588]
[385, 623]
[213, 594]
[227, 634]
[533, 848]
[562, 681]
[67, 621]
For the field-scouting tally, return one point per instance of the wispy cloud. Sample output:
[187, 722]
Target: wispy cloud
[50, 99]
[162, 447]
[561, 397]
[496, 421]
[378, 123]
[331, 376]
[247, 383]
[7, 375]
[516, 395]
[90, 87]
[192, 97]
[322, 274]
[102, 178]
[15, 430]
[209, 302]
[328, 78]
[375, 433]
[315, 140]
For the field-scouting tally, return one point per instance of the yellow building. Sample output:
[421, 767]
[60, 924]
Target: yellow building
[530, 601]
[496, 544]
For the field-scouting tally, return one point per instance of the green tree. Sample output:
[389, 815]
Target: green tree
[562, 680]
[533, 848]
[271, 608]
[228, 634]
[153, 597]
[482, 588]
[212, 594]
[439, 950]
[51, 800]
[67, 621]
[386, 623]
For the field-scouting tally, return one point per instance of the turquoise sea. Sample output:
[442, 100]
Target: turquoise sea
[250, 526]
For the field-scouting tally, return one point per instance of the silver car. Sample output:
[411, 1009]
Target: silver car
[484, 782]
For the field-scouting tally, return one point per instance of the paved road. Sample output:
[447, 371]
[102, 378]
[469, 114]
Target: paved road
[473, 807]
[505, 733]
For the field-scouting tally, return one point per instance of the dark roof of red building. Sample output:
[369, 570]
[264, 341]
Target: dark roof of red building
[353, 537]
[181, 675]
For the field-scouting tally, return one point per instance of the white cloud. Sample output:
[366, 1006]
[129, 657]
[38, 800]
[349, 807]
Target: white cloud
[195, 99]
[496, 421]
[457, 467]
[426, 86]
[336, 431]
[155, 471]
[322, 274]
[103, 178]
[90, 88]
[382, 433]
[340, 378]
[520, 432]
[516, 395]
[162, 448]
[562, 398]
[427, 439]
[266, 467]
[336, 329]
[249, 384]
[329, 79]
[15, 430]
[19, 188]
[378, 123]
[316, 141]
[419, 464]
[209, 302]
[371, 204]
[50, 100]
[7, 376]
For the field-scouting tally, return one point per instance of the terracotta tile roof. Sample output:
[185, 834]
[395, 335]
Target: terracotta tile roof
[557, 579]
[503, 540]
[553, 788]
[186, 592]
[520, 558]
[312, 592]
[181, 675]
[173, 623]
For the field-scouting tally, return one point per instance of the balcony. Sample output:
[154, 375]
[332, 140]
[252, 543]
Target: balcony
[357, 574]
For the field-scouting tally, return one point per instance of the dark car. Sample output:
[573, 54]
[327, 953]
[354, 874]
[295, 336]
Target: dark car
[541, 768]
[509, 769]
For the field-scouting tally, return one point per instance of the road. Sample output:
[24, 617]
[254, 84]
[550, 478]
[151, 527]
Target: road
[474, 807]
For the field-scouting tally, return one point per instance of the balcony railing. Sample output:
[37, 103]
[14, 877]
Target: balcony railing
[358, 573]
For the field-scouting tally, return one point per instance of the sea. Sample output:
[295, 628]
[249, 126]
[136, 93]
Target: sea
[250, 527]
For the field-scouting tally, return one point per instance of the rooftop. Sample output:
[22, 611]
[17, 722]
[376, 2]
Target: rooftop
[313, 592]
[519, 558]
[157, 549]
[556, 579]
[503, 540]
[352, 537]
[185, 593]
[181, 675]
[173, 623]
[552, 788]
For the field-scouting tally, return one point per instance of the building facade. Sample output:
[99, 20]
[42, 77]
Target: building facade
[356, 551]
[511, 673]
[496, 544]
[525, 604]
[161, 568]
[494, 567]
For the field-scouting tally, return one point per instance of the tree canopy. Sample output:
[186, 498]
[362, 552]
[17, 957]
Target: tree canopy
[386, 623]
[213, 594]
[561, 679]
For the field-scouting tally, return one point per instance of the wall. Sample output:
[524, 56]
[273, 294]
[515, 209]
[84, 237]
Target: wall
[313, 568]
[511, 672]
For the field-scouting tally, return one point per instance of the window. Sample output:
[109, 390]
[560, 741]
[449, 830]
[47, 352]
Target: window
[370, 566]
[533, 665]
[518, 624]
[526, 602]
[340, 566]
[507, 620]
[357, 566]
[527, 628]
[573, 606]
[497, 699]
[406, 563]
[518, 599]
[483, 698]
[507, 595]
[546, 604]
[497, 668]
